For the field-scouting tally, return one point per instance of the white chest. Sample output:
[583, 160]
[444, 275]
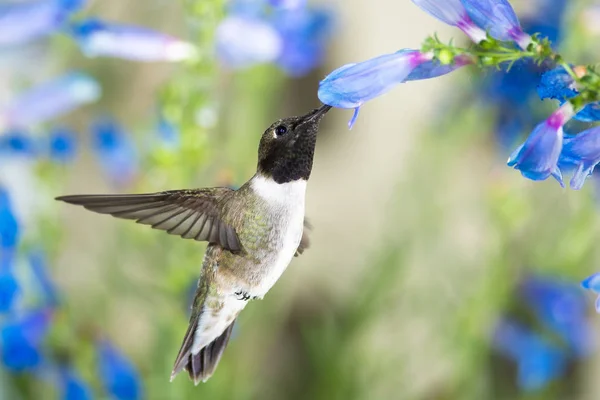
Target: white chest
[287, 202]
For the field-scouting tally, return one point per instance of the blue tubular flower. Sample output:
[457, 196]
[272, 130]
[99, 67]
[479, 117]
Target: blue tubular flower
[99, 38]
[115, 151]
[20, 340]
[433, 68]
[583, 152]
[9, 227]
[352, 85]
[63, 145]
[9, 289]
[537, 158]
[539, 362]
[593, 283]
[50, 100]
[22, 22]
[453, 13]
[304, 33]
[561, 307]
[242, 42]
[73, 388]
[498, 18]
[17, 142]
[118, 375]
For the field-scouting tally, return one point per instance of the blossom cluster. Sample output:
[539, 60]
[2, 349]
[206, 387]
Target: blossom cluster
[499, 41]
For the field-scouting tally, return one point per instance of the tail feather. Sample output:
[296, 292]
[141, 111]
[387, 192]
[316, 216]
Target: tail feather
[202, 365]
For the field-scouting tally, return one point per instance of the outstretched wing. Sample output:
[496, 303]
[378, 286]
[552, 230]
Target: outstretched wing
[192, 214]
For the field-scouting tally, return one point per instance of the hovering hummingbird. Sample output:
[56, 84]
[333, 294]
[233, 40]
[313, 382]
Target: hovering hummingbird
[253, 234]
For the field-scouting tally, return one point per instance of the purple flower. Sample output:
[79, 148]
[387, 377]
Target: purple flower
[537, 158]
[581, 151]
[26, 21]
[99, 38]
[498, 19]
[243, 41]
[63, 145]
[352, 85]
[116, 151]
[560, 306]
[304, 35]
[19, 143]
[433, 68]
[20, 340]
[593, 283]
[538, 361]
[453, 13]
[118, 375]
[50, 100]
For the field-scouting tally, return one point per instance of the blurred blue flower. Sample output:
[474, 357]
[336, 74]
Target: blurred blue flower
[100, 38]
[17, 142]
[304, 33]
[118, 375]
[50, 100]
[168, 133]
[73, 387]
[288, 4]
[63, 145]
[561, 307]
[9, 226]
[115, 150]
[556, 84]
[243, 41]
[22, 22]
[593, 283]
[9, 288]
[20, 340]
[537, 158]
[37, 262]
[453, 13]
[581, 152]
[353, 84]
[538, 361]
[433, 68]
[498, 19]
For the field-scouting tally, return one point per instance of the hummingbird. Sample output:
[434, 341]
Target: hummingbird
[253, 233]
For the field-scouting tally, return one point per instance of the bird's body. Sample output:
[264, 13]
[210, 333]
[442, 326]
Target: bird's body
[253, 234]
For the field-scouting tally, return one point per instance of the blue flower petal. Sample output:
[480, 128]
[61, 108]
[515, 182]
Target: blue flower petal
[597, 304]
[63, 145]
[452, 12]
[498, 19]
[20, 340]
[18, 143]
[9, 289]
[9, 226]
[556, 84]
[73, 388]
[582, 152]
[115, 150]
[100, 38]
[592, 283]
[118, 375]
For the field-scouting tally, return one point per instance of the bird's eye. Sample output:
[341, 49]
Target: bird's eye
[281, 130]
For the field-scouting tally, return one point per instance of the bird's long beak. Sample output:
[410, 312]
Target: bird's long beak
[317, 113]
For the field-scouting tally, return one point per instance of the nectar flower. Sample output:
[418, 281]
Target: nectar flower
[453, 13]
[242, 42]
[50, 100]
[26, 21]
[538, 360]
[118, 375]
[99, 38]
[116, 151]
[537, 158]
[556, 84]
[352, 85]
[498, 19]
[583, 152]
[433, 68]
[593, 283]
